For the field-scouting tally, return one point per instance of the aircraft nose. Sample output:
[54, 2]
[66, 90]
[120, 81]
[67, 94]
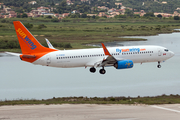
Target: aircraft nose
[171, 53]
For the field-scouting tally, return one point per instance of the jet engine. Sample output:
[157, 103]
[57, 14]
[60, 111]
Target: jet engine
[123, 64]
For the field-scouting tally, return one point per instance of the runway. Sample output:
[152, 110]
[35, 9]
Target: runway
[90, 112]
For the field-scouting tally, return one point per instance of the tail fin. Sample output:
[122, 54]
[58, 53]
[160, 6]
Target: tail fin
[28, 43]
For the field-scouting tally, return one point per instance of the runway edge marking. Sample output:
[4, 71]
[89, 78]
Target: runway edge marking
[165, 108]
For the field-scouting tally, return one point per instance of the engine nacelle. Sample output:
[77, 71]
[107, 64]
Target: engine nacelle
[123, 64]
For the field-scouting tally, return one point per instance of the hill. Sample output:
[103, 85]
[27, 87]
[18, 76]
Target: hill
[85, 6]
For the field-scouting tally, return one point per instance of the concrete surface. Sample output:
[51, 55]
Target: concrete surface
[90, 112]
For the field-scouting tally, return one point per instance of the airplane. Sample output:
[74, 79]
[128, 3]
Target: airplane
[120, 57]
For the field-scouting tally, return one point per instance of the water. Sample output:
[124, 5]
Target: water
[22, 80]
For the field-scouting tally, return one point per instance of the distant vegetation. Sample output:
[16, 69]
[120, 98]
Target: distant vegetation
[152, 5]
[59, 45]
[163, 99]
[80, 32]
[5, 44]
[85, 7]
[28, 25]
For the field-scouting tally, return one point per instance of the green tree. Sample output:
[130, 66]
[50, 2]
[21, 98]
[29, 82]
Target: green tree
[149, 14]
[24, 15]
[136, 16]
[159, 16]
[84, 15]
[42, 26]
[104, 16]
[93, 16]
[120, 16]
[67, 45]
[55, 20]
[4, 21]
[129, 12]
[49, 16]
[176, 17]
[19, 16]
[28, 25]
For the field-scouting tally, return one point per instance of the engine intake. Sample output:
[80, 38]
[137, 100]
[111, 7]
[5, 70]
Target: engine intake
[123, 64]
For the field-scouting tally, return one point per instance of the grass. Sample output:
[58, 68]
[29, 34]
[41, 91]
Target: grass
[163, 99]
[78, 34]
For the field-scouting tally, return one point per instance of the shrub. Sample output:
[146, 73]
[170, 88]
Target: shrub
[112, 99]
[28, 25]
[24, 15]
[49, 17]
[42, 26]
[176, 17]
[4, 21]
[55, 20]
[5, 44]
[67, 45]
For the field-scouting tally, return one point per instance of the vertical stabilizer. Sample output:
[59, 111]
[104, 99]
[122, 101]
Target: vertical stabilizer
[30, 47]
[28, 43]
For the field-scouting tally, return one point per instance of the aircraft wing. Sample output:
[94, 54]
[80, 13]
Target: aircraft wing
[110, 60]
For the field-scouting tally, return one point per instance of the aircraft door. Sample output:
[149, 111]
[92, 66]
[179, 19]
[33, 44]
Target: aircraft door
[159, 52]
[48, 60]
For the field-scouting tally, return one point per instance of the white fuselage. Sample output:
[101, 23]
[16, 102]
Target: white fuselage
[90, 57]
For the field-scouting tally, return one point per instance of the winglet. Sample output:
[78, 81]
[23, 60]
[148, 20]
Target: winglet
[106, 52]
[49, 44]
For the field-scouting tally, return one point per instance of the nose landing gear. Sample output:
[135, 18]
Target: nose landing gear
[159, 66]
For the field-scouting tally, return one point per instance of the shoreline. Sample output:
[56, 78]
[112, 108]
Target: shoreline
[91, 44]
[148, 100]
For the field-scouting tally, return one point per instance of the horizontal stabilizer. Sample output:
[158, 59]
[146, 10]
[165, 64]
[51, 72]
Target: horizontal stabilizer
[14, 54]
[28, 56]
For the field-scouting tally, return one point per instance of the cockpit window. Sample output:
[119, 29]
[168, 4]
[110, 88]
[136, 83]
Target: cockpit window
[166, 50]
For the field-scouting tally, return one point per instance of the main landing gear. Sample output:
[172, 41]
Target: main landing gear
[101, 71]
[159, 66]
[93, 70]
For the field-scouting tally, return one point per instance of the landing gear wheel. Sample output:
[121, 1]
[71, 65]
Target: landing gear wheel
[102, 71]
[159, 66]
[93, 70]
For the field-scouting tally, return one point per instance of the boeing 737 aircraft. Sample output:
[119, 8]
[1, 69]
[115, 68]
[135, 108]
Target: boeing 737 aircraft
[119, 57]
